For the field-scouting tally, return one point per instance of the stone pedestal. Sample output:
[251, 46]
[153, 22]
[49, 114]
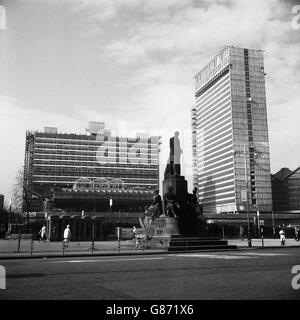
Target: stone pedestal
[186, 222]
[179, 185]
[165, 226]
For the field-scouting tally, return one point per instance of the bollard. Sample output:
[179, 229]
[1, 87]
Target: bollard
[119, 235]
[249, 240]
[31, 245]
[93, 237]
[93, 246]
[166, 244]
[19, 240]
[63, 247]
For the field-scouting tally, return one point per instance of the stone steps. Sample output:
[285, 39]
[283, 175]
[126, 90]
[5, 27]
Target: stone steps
[192, 243]
[200, 248]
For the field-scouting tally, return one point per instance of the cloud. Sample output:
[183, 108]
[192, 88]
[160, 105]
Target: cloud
[284, 135]
[15, 120]
[169, 45]
[164, 43]
[134, 61]
[195, 29]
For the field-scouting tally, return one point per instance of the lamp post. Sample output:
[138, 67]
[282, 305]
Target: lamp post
[247, 199]
[46, 208]
[9, 215]
[110, 205]
[273, 224]
[159, 163]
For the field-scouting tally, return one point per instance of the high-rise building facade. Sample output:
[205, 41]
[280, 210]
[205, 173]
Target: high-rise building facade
[89, 172]
[229, 121]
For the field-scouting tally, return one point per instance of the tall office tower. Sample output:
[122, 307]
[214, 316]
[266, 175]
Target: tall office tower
[232, 162]
[194, 145]
[90, 171]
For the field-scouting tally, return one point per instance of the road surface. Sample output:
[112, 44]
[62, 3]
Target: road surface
[240, 274]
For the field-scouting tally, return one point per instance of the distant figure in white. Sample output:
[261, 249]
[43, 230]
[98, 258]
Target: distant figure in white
[134, 231]
[2, 278]
[282, 237]
[67, 236]
[43, 234]
[138, 241]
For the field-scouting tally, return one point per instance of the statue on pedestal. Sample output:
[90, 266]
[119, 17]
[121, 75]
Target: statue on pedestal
[179, 215]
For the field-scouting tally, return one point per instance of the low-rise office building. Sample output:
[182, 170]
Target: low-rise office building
[89, 175]
[286, 197]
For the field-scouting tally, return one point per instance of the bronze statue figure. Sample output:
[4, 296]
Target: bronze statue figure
[170, 203]
[156, 206]
[173, 166]
[195, 207]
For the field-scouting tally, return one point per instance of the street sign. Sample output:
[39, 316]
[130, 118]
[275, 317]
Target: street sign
[30, 214]
[119, 233]
[244, 195]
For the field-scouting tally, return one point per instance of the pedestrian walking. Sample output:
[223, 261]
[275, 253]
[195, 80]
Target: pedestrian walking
[138, 241]
[242, 233]
[67, 236]
[297, 233]
[43, 234]
[282, 237]
[134, 231]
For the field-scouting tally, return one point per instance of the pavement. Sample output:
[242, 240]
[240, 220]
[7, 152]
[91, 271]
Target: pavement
[9, 249]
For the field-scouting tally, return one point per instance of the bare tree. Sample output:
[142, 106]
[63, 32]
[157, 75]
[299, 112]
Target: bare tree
[21, 195]
[17, 192]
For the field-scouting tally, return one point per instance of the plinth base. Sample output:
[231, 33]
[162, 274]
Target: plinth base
[165, 226]
[178, 184]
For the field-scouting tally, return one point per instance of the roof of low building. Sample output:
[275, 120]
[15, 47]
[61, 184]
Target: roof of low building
[284, 173]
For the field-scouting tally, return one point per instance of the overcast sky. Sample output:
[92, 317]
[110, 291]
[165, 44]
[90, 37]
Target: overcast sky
[131, 64]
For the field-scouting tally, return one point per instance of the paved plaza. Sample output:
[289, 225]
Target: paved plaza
[9, 248]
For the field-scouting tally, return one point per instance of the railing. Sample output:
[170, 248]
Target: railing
[159, 244]
[28, 247]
